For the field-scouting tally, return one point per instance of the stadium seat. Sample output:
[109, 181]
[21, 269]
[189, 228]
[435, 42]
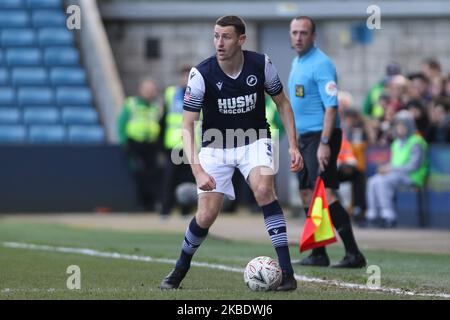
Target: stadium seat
[7, 96]
[12, 4]
[44, 4]
[12, 133]
[73, 96]
[35, 96]
[29, 76]
[55, 37]
[9, 115]
[68, 76]
[48, 18]
[79, 115]
[61, 56]
[14, 19]
[4, 76]
[41, 115]
[86, 134]
[17, 37]
[23, 57]
[47, 133]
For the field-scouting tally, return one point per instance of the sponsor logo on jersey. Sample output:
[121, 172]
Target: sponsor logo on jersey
[235, 105]
[299, 90]
[252, 80]
[219, 85]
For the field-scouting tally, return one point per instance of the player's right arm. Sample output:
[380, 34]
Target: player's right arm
[204, 181]
[192, 104]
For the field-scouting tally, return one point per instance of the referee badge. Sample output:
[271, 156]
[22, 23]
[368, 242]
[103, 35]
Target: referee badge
[299, 90]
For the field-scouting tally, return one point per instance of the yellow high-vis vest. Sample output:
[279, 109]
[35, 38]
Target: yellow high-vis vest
[143, 123]
[173, 137]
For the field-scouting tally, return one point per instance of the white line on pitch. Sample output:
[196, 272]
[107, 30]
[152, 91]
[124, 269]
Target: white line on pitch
[115, 255]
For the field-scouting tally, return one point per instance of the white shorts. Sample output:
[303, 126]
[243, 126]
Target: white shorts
[221, 163]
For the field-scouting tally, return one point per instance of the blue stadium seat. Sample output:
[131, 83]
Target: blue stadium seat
[23, 57]
[48, 18]
[47, 134]
[68, 76]
[43, 4]
[29, 76]
[41, 115]
[14, 19]
[73, 96]
[35, 96]
[12, 4]
[61, 56]
[55, 37]
[86, 134]
[10, 115]
[79, 115]
[12, 134]
[7, 96]
[4, 76]
[18, 37]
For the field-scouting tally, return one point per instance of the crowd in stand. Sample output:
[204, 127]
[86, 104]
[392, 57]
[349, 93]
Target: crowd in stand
[404, 112]
[425, 94]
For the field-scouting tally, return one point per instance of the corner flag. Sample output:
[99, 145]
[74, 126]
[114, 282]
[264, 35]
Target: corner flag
[318, 230]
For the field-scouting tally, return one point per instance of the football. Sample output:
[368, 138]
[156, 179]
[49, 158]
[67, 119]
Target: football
[262, 274]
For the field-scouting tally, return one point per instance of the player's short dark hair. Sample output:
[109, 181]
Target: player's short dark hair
[313, 24]
[235, 21]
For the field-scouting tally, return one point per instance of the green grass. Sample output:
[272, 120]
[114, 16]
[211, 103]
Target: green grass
[34, 274]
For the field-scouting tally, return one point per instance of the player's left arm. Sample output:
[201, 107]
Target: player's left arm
[274, 88]
[287, 117]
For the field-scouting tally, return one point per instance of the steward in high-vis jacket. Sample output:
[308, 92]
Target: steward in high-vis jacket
[139, 133]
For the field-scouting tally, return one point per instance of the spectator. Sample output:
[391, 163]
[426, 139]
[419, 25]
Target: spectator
[431, 68]
[348, 171]
[408, 166]
[139, 131]
[172, 126]
[348, 167]
[419, 89]
[417, 110]
[438, 86]
[372, 107]
[440, 121]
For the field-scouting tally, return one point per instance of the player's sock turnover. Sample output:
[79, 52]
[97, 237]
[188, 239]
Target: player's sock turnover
[276, 227]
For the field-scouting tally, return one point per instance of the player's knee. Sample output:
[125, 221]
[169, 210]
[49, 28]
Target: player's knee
[264, 194]
[205, 218]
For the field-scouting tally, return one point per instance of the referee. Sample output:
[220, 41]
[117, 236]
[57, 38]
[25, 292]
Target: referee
[313, 94]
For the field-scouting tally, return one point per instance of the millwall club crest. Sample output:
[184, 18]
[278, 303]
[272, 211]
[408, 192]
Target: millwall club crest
[252, 80]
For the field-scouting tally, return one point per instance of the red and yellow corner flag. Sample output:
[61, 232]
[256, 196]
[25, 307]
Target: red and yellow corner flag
[318, 230]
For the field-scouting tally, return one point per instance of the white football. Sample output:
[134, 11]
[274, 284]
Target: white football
[262, 274]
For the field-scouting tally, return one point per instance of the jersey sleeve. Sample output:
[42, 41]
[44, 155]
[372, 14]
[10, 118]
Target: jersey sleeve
[326, 79]
[195, 92]
[272, 85]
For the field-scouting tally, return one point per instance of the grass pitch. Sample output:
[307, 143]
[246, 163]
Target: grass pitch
[39, 274]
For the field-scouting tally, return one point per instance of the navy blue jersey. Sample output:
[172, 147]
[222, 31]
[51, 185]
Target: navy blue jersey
[232, 103]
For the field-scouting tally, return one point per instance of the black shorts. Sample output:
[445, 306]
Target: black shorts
[309, 143]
